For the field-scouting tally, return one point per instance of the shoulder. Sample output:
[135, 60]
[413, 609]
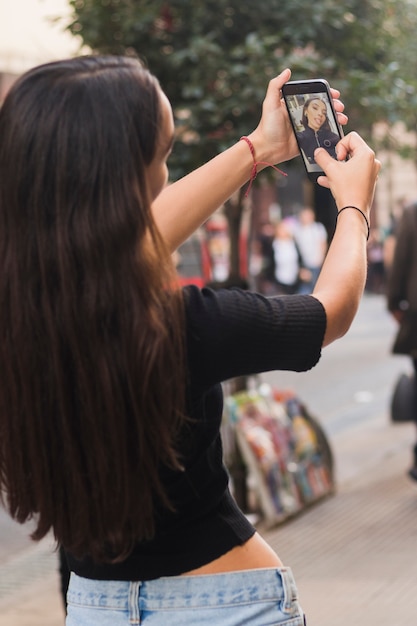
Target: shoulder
[231, 332]
[237, 308]
[210, 303]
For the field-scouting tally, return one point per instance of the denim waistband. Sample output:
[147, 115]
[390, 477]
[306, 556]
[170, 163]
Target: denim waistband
[177, 592]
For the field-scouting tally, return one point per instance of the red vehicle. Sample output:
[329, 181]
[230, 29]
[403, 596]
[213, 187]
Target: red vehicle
[193, 262]
[205, 257]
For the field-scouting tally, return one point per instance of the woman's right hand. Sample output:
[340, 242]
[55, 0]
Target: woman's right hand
[343, 274]
[273, 139]
[351, 182]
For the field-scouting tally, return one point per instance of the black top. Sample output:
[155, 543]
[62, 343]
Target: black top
[229, 333]
[309, 140]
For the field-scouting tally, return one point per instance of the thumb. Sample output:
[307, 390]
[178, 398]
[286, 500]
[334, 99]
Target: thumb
[323, 158]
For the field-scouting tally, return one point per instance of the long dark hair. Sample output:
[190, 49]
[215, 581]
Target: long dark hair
[304, 118]
[91, 322]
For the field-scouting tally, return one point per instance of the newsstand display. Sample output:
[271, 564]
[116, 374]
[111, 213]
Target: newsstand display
[278, 449]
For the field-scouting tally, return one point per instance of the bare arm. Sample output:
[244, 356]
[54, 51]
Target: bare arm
[342, 278]
[183, 206]
[186, 204]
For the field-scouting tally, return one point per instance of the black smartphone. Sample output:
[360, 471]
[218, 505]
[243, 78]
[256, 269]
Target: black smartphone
[313, 118]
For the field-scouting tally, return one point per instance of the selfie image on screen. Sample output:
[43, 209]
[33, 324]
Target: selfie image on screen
[314, 125]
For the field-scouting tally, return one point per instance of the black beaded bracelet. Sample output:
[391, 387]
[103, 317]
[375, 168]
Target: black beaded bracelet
[350, 206]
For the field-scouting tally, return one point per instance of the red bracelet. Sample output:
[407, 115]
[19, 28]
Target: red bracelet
[254, 171]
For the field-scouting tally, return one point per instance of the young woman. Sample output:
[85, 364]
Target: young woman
[110, 396]
[317, 132]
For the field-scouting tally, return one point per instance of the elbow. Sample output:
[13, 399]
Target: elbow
[339, 320]
[334, 332]
[342, 328]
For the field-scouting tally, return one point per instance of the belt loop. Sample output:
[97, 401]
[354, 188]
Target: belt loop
[134, 612]
[286, 580]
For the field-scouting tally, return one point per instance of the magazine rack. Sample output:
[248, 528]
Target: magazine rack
[286, 454]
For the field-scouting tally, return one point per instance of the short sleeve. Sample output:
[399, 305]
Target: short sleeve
[234, 333]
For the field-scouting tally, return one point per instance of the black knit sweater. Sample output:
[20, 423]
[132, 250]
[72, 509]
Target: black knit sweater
[229, 333]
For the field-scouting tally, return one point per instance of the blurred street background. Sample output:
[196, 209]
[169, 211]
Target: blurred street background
[353, 553]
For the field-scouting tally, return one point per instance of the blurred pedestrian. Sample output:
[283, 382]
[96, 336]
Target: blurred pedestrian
[286, 260]
[402, 295]
[311, 239]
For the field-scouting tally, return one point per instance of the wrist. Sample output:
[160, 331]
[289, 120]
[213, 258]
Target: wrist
[262, 151]
[256, 164]
[355, 209]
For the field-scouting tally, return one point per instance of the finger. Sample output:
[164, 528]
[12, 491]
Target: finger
[342, 118]
[338, 105]
[323, 182]
[323, 159]
[273, 92]
[277, 82]
[284, 76]
[349, 144]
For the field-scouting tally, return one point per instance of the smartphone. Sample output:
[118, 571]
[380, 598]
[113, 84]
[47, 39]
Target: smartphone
[314, 120]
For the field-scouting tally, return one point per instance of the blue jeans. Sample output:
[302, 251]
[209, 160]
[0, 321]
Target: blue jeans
[263, 597]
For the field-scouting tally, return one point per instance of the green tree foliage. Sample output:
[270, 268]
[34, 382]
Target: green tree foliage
[214, 59]
[392, 90]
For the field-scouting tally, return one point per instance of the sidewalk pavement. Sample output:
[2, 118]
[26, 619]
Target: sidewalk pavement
[353, 554]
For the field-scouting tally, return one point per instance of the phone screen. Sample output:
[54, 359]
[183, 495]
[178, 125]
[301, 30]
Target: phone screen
[314, 120]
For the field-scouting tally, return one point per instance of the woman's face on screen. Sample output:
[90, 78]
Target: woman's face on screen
[316, 114]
